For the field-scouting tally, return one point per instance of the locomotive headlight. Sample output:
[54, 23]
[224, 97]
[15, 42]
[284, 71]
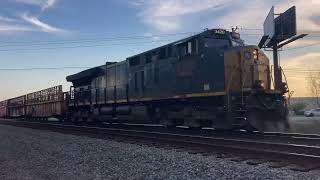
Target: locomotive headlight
[259, 84]
[255, 54]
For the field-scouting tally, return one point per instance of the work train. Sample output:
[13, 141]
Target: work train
[211, 79]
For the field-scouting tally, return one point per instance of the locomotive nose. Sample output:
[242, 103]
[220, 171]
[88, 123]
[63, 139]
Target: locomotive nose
[255, 69]
[247, 68]
[248, 76]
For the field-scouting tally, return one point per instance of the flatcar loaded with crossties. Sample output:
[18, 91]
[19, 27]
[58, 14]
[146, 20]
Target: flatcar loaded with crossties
[211, 79]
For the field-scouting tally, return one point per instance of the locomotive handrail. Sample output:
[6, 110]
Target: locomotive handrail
[285, 78]
[230, 79]
[243, 80]
[98, 94]
[228, 87]
[272, 77]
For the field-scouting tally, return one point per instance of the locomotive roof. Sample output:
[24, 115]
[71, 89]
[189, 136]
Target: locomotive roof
[100, 70]
[181, 41]
[89, 73]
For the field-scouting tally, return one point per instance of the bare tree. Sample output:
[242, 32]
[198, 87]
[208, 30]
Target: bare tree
[314, 85]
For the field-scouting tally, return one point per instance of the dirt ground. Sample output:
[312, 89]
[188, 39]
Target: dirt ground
[307, 125]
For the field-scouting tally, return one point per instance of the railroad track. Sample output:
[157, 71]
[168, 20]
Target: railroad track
[289, 138]
[300, 157]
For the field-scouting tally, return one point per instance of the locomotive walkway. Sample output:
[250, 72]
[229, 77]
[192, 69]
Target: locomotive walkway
[296, 151]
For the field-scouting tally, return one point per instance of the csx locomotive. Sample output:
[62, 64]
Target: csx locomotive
[211, 79]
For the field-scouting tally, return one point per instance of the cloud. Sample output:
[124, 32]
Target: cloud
[26, 23]
[9, 28]
[43, 26]
[247, 15]
[255, 12]
[6, 19]
[316, 19]
[136, 2]
[43, 4]
[173, 15]
[307, 61]
[11, 25]
[171, 8]
[304, 42]
[164, 24]
[150, 35]
[167, 15]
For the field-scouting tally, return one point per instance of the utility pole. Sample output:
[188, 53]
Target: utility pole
[277, 73]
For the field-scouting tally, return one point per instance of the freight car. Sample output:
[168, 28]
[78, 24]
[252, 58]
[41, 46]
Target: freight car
[3, 109]
[39, 105]
[16, 107]
[46, 103]
[211, 79]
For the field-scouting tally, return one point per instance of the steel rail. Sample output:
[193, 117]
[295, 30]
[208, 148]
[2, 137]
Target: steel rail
[272, 137]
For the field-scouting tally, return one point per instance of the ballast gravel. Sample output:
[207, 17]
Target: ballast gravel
[35, 154]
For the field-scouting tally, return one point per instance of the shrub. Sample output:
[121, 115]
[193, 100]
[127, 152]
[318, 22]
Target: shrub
[297, 108]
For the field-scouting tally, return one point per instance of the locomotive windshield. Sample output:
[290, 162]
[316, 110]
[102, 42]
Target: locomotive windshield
[236, 40]
[216, 43]
[236, 43]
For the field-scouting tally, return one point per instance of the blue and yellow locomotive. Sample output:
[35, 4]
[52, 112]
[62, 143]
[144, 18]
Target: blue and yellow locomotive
[211, 79]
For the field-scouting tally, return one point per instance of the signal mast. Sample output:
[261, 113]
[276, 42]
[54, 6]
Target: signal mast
[279, 32]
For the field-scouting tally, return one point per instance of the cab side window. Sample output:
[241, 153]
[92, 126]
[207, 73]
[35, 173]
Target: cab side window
[183, 50]
[134, 61]
[162, 53]
[189, 47]
[142, 80]
[148, 58]
[136, 88]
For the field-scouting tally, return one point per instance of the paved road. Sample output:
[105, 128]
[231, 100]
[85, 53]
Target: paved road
[302, 124]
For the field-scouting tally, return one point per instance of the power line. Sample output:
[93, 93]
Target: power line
[302, 71]
[299, 30]
[97, 42]
[82, 46]
[289, 70]
[115, 38]
[297, 68]
[302, 47]
[38, 43]
[86, 67]
[249, 29]
[42, 68]
[309, 31]
[101, 38]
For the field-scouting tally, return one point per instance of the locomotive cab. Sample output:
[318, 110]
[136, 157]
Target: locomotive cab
[223, 63]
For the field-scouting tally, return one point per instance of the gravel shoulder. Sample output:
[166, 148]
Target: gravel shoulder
[35, 154]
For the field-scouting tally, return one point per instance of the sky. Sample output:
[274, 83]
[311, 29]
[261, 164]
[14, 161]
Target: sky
[77, 34]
